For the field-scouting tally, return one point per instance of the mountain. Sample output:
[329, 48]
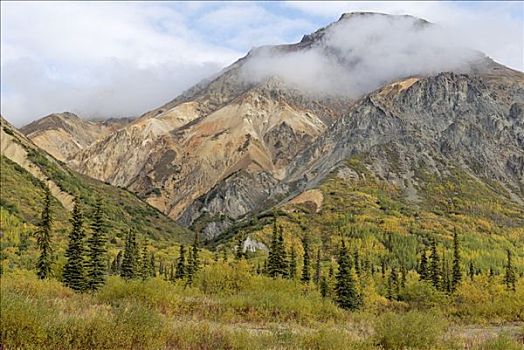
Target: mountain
[26, 169]
[65, 134]
[390, 89]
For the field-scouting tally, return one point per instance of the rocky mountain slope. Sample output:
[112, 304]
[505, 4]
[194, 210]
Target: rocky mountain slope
[65, 134]
[26, 169]
[282, 118]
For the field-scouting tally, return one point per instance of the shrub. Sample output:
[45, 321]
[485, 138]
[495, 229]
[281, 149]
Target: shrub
[413, 329]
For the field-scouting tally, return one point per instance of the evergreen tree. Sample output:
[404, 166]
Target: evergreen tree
[96, 269]
[43, 238]
[306, 277]
[434, 265]
[324, 287]
[471, 270]
[224, 254]
[383, 268]
[128, 270]
[239, 254]
[283, 265]
[73, 275]
[316, 276]
[347, 297]
[193, 262]
[392, 286]
[510, 276]
[273, 258]
[181, 263]
[293, 263]
[457, 272]
[423, 267]
[331, 270]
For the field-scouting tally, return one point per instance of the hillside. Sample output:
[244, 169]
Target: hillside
[25, 170]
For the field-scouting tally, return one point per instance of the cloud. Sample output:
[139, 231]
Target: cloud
[495, 28]
[362, 52]
[103, 59]
[108, 59]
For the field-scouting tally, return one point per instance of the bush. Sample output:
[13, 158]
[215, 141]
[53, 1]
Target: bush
[501, 342]
[413, 329]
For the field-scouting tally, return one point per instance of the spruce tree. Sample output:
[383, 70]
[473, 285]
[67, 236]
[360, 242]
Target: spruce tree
[128, 270]
[392, 286]
[423, 267]
[116, 264]
[446, 280]
[293, 263]
[73, 275]
[324, 287]
[96, 269]
[316, 276]
[193, 262]
[434, 265]
[457, 272]
[306, 277]
[181, 263]
[239, 254]
[346, 293]
[273, 258]
[43, 238]
[471, 271]
[283, 265]
[510, 276]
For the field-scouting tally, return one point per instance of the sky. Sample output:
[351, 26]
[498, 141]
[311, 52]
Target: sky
[119, 59]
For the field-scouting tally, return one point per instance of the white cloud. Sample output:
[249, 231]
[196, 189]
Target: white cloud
[360, 53]
[495, 28]
[108, 59]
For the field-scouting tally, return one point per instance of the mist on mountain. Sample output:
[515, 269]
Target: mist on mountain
[360, 53]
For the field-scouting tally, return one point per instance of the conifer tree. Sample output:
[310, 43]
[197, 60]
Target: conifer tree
[316, 276]
[434, 265]
[423, 267]
[306, 277]
[509, 276]
[273, 259]
[392, 286]
[457, 272]
[193, 262]
[96, 269]
[239, 254]
[128, 270]
[331, 270]
[215, 256]
[73, 275]
[293, 263]
[224, 254]
[43, 238]
[181, 263]
[471, 271]
[324, 287]
[491, 273]
[283, 265]
[347, 297]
